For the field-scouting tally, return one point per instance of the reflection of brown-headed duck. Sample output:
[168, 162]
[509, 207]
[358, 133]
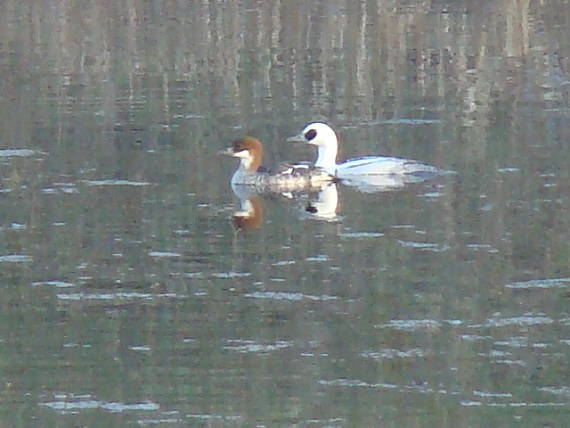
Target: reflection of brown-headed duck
[321, 135]
[286, 178]
[250, 215]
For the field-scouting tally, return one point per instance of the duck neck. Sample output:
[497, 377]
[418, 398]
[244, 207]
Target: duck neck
[243, 174]
[326, 158]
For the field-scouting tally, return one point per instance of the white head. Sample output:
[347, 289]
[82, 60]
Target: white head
[321, 135]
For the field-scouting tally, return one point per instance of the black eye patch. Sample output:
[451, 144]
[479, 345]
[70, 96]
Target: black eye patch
[310, 134]
[311, 209]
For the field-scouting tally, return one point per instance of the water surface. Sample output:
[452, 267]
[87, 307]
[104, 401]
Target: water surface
[130, 295]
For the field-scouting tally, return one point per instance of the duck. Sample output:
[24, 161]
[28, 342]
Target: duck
[287, 177]
[323, 136]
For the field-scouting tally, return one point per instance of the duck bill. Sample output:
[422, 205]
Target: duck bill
[297, 139]
[229, 151]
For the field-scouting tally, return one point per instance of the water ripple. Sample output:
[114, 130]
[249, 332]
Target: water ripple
[412, 325]
[81, 403]
[394, 353]
[164, 254]
[283, 295]
[111, 182]
[284, 263]
[114, 296]
[359, 235]
[541, 283]
[6, 153]
[556, 390]
[472, 403]
[493, 394]
[319, 258]
[425, 246]
[247, 346]
[14, 226]
[513, 342]
[58, 284]
[15, 258]
[159, 421]
[525, 320]
[231, 275]
[208, 416]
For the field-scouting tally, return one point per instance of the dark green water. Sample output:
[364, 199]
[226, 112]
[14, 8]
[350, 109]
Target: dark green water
[129, 298]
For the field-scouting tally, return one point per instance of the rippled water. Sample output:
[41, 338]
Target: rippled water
[137, 288]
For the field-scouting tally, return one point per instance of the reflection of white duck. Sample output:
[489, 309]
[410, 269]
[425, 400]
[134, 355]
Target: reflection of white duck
[324, 206]
[375, 170]
[287, 178]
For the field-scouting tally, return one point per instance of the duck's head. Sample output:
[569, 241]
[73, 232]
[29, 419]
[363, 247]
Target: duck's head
[249, 150]
[321, 135]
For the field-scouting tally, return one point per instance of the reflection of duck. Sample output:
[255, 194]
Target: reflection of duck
[370, 171]
[250, 214]
[383, 183]
[319, 205]
[287, 178]
[324, 206]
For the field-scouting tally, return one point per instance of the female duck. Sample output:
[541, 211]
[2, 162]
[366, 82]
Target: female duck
[287, 178]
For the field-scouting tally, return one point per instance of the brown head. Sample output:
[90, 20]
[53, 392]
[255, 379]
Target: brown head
[249, 150]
